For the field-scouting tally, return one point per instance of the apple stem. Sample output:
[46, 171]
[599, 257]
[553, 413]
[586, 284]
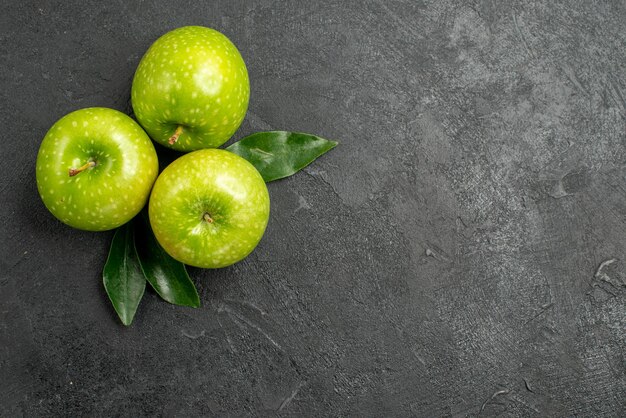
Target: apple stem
[174, 138]
[207, 217]
[74, 171]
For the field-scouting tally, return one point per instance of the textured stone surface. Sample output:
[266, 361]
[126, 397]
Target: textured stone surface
[444, 260]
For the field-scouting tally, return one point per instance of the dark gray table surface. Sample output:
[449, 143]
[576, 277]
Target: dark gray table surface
[445, 260]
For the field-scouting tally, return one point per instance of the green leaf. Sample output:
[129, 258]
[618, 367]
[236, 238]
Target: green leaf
[279, 154]
[122, 276]
[167, 276]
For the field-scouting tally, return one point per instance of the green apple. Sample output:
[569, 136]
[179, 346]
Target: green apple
[191, 89]
[209, 208]
[95, 169]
